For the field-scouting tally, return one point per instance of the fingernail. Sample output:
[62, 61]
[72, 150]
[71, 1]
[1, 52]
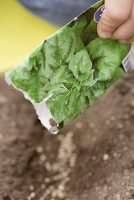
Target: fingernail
[105, 34]
[123, 41]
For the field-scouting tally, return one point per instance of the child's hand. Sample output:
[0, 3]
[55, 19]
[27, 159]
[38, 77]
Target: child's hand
[117, 20]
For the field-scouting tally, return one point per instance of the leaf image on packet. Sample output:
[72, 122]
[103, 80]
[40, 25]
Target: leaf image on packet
[70, 70]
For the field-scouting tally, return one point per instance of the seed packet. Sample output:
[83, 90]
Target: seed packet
[71, 69]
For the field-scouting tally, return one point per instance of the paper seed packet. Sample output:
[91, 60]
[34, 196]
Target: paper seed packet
[71, 69]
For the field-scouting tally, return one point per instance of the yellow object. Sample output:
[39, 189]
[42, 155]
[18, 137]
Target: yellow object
[20, 33]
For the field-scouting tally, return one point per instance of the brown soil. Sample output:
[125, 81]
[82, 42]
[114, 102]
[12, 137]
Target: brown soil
[91, 159]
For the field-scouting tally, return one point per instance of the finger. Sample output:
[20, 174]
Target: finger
[115, 13]
[131, 39]
[126, 30]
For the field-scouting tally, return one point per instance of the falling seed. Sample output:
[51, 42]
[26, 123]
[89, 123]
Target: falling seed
[61, 169]
[32, 195]
[47, 180]
[61, 187]
[72, 161]
[43, 158]
[48, 191]
[56, 177]
[39, 149]
[69, 135]
[67, 179]
[51, 188]
[31, 187]
[54, 193]
[48, 166]
[79, 125]
[65, 174]
[60, 137]
[105, 157]
[55, 167]
[61, 195]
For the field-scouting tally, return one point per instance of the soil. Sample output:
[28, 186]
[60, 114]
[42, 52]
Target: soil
[91, 159]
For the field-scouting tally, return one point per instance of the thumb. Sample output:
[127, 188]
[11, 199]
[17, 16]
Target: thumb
[116, 13]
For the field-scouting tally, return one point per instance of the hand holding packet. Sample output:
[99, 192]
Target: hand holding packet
[71, 69]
